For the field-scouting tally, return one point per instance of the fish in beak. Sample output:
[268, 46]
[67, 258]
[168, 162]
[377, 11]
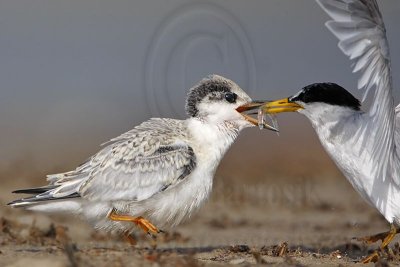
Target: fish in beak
[252, 106]
[268, 107]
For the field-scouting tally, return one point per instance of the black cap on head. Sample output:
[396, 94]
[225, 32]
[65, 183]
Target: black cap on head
[329, 93]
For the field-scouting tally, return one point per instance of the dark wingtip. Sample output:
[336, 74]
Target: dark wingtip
[13, 202]
[34, 191]
[21, 191]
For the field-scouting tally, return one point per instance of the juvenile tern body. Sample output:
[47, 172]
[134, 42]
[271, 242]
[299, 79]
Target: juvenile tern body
[159, 172]
[364, 145]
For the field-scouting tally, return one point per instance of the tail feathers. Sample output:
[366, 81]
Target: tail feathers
[41, 194]
[56, 191]
[38, 198]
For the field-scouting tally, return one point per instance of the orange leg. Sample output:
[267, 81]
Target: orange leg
[147, 226]
[385, 237]
[375, 238]
[374, 257]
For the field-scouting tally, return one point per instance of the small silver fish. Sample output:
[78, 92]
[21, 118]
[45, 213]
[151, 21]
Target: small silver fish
[262, 117]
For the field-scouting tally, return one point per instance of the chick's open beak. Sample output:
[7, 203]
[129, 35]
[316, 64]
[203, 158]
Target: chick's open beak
[251, 105]
[281, 105]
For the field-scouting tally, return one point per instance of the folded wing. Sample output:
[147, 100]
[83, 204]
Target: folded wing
[145, 161]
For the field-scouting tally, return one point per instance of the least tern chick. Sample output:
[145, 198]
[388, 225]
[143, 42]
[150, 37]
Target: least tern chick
[158, 173]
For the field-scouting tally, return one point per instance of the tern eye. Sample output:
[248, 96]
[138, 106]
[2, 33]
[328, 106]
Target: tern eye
[230, 97]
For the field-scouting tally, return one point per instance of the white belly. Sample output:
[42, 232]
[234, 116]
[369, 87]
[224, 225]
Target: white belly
[165, 209]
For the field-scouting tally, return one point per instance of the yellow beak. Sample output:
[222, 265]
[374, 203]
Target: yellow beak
[270, 107]
[281, 105]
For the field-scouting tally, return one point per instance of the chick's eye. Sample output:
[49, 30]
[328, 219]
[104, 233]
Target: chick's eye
[230, 97]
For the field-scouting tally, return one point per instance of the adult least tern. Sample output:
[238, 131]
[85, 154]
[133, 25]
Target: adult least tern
[159, 172]
[364, 145]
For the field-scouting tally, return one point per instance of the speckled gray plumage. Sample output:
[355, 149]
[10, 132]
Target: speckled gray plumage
[162, 169]
[136, 159]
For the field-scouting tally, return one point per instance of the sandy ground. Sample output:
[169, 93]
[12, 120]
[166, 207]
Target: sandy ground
[277, 221]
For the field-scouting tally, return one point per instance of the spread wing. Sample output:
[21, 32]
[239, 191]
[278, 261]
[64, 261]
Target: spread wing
[359, 26]
[143, 162]
[396, 161]
[361, 32]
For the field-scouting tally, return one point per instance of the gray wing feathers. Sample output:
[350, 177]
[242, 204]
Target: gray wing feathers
[140, 178]
[140, 163]
[134, 166]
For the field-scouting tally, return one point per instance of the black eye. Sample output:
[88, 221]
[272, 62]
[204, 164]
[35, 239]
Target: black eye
[230, 97]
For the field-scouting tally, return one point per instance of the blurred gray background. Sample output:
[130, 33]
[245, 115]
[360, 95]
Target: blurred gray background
[76, 73]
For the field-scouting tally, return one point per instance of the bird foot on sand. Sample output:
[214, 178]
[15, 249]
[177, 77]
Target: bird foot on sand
[373, 238]
[385, 237]
[374, 257]
[146, 225]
